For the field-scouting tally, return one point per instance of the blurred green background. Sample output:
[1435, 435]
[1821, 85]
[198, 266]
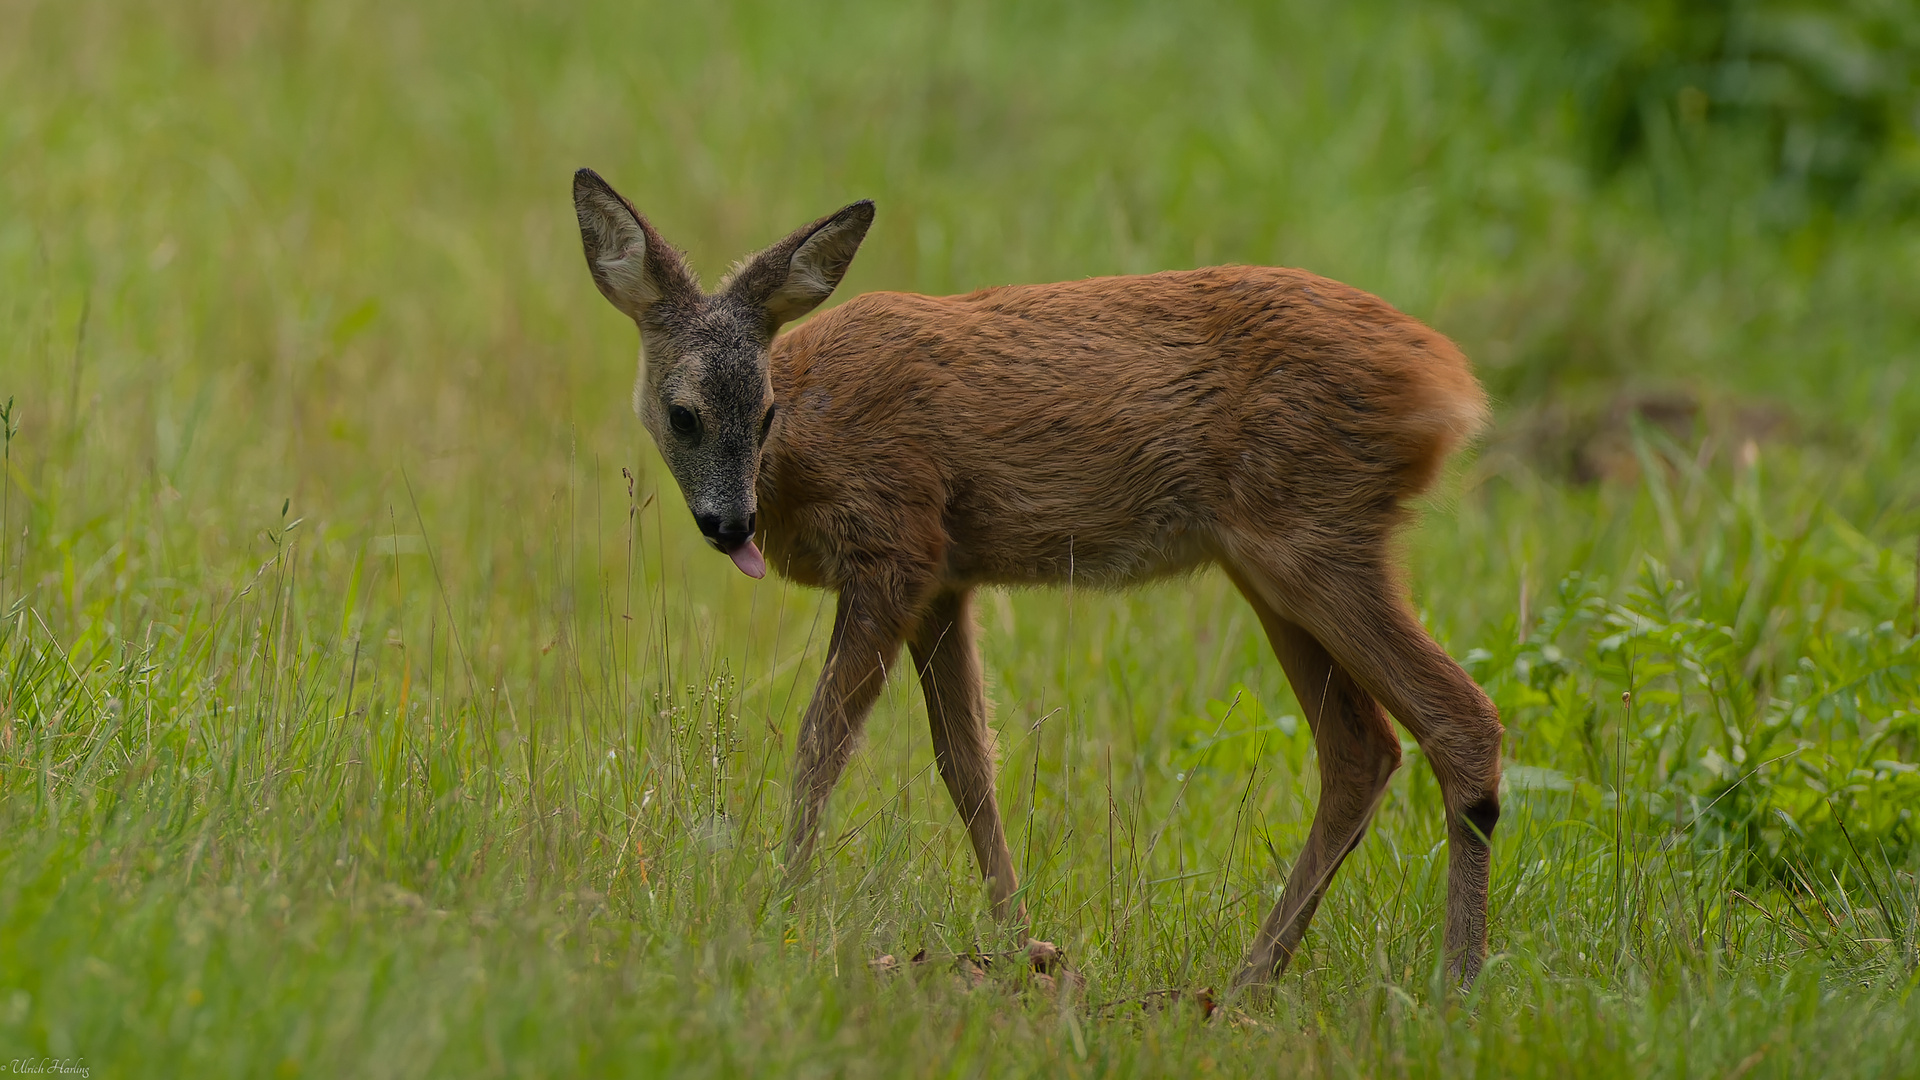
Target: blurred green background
[359, 716]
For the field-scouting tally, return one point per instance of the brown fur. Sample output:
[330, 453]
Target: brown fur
[1111, 431]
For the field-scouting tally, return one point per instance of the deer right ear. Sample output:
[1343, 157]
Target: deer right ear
[633, 268]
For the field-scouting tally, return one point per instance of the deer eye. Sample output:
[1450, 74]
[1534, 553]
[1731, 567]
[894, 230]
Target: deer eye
[766, 425]
[684, 423]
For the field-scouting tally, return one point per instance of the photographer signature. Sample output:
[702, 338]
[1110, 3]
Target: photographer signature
[48, 1066]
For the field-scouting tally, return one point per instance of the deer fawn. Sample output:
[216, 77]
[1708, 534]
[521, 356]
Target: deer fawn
[904, 450]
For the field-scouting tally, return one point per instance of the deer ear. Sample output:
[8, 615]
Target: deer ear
[793, 276]
[632, 266]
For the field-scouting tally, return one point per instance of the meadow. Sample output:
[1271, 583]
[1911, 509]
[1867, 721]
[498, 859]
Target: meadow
[370, 706]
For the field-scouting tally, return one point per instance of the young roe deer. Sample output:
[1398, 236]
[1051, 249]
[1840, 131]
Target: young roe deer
[905, 450]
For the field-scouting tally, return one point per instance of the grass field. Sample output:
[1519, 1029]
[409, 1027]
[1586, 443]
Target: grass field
[369, 705]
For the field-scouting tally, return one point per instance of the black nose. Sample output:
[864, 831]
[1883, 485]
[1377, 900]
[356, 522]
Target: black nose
[726, 533]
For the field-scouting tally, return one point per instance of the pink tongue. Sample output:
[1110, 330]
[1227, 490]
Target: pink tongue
[748, 559]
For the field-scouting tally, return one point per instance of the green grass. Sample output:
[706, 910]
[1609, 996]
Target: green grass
[359, 716]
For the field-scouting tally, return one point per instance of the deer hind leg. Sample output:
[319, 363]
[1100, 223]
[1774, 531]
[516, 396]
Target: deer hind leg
[1353, 608]
[1358, 753]
[947, 656]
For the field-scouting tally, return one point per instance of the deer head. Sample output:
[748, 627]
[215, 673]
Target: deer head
[705, 391]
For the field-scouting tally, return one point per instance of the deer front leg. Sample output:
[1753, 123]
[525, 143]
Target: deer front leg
[946, 655]
[868, 626]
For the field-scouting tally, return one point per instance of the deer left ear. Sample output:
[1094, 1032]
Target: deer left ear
[793, 276]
